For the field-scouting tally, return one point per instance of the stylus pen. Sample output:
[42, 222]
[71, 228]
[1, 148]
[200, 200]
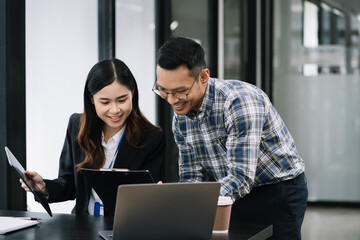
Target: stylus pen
[28, 218]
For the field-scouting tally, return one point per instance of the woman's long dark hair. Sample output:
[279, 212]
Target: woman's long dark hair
[101, 75]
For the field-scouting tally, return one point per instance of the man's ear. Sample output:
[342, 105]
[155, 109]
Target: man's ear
[204, 76]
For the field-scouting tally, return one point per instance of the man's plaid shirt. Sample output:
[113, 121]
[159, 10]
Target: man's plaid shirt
[236, 137]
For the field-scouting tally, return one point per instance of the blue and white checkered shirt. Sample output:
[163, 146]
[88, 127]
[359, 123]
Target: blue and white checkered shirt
[236, 137]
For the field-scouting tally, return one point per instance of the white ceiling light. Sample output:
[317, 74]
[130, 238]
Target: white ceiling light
[174, 25]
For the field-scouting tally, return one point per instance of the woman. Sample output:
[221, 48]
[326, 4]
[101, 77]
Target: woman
[111, 133]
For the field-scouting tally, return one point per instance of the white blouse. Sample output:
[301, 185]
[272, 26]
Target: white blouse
[110, 151]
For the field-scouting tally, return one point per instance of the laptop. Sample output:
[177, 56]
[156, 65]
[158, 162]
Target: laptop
[18, 168]
[164, 211]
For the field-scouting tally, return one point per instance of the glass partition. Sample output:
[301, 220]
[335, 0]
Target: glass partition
[190, 19]
[317, 97]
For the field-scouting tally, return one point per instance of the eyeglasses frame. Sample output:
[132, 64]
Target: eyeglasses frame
[157, 91]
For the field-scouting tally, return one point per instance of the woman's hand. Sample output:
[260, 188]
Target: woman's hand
[35, 181]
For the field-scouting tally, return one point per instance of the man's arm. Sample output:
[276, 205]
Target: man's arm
[244, 119]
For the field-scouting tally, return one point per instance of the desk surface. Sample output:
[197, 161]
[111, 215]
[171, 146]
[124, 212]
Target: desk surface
[67, 226]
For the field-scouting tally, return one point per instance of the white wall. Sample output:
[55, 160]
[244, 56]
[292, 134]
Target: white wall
[61, 47]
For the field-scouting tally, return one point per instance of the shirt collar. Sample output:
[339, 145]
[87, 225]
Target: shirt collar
[115, 138]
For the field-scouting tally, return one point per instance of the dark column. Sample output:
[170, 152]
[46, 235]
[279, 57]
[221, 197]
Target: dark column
[213, 37]
[348, 44]
[164, 112]
[267, 46]
[333, 29]
[250, 39]
[12, 100]
[248, 43]
[106, 27]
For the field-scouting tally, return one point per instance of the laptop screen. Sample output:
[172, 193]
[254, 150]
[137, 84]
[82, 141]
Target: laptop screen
[166, 211]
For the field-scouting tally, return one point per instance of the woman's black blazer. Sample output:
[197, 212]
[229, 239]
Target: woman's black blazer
[71, 184]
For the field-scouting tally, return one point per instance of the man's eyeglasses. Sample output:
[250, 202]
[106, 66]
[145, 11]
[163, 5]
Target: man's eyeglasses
[177, 94]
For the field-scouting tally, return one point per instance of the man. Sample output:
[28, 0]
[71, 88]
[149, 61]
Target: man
[230, 132]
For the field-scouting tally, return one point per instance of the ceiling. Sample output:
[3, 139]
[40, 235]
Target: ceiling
[352, 6]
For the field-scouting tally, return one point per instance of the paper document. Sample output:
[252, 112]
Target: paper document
[9, 224]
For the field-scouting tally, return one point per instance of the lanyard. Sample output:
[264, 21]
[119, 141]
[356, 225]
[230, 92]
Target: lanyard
[117, 149]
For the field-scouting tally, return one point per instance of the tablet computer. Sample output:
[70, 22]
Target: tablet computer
[105, 182]
[18, 168]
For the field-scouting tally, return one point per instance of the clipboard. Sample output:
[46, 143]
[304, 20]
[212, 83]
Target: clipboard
[18, 168]
[105, 182]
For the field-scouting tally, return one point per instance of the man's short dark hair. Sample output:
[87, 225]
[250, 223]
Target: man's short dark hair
[178, 51]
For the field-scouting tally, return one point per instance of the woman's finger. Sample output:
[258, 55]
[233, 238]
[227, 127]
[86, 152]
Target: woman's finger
[23, 185]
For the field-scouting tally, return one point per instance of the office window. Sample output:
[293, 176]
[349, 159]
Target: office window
[60, 50]
[135, 45]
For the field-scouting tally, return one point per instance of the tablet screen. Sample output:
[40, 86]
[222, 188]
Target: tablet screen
[18, 168]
